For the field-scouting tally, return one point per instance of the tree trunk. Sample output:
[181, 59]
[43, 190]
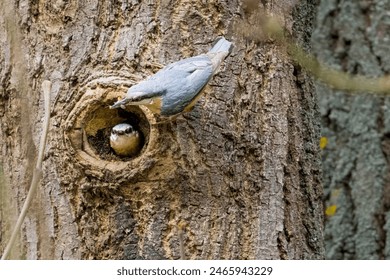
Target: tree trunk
[236, 178]
[354, 36]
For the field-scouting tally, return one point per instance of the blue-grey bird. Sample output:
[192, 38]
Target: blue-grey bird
[176, 88]
[125, 140]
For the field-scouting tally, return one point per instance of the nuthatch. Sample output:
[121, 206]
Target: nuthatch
[125, 140]
[176, 88]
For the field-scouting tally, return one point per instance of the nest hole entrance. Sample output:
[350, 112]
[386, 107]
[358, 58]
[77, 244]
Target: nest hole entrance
[98, 130]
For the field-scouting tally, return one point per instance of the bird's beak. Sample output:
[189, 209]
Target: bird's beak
[120, 103]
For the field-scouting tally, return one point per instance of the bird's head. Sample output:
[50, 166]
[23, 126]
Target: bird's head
[124, 139]
[122, 129]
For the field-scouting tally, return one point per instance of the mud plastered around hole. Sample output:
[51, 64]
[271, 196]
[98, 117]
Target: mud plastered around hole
[89, 124]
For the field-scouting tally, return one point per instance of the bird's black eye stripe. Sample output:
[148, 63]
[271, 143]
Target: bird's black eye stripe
[123, 131]
[135, 99]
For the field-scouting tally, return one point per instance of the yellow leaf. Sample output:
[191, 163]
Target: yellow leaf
[331, 210]
[323, 142]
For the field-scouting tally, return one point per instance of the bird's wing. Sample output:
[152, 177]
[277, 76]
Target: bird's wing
[190, 64]
[194, 70]
[183, 81]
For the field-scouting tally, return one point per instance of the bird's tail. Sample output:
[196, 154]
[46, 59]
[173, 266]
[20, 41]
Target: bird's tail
[220, 50]
[221, 45]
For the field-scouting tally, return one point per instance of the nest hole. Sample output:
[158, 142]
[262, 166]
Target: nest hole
[102, 120]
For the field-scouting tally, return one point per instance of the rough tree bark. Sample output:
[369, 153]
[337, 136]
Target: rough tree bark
[236, 178]
[354, 36]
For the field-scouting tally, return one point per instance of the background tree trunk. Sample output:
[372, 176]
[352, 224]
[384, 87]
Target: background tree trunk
[354, 36]
[236, 178]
